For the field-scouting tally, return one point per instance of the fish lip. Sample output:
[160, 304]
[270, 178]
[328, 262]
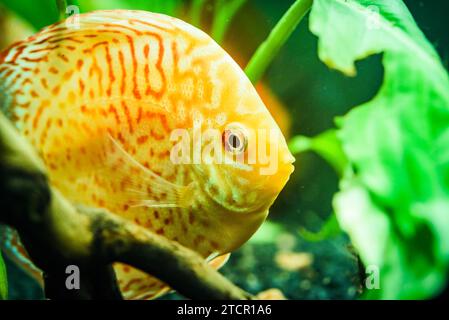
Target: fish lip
[290, 159]
[288, 165]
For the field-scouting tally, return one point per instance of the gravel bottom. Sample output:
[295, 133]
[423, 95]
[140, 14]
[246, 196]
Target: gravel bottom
[299, 269]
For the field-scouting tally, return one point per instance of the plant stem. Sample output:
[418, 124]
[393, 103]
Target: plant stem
[195, 12]
[3, 279]
[62, 6]
[278, 36]
[224, 12]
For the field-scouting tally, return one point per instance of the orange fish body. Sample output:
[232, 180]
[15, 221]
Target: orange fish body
[100, 102]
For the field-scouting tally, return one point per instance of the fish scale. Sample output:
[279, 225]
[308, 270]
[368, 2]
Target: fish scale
[99, 103]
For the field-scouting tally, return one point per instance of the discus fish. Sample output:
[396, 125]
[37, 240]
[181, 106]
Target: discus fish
[100, 98]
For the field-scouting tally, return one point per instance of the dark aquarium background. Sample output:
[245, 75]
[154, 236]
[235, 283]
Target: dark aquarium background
[299, 253]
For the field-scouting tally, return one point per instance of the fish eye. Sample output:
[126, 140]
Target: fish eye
[235, 140]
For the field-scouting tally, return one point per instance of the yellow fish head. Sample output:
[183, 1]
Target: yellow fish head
[245, 163]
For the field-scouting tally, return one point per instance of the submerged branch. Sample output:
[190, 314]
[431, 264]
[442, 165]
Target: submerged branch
[57, 234]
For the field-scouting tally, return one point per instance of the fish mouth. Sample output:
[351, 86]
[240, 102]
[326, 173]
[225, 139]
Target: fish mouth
[278, 181]
[288, 170]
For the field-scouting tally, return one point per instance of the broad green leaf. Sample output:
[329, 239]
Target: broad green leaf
[394, 203]
[3, 280]
[397, 13]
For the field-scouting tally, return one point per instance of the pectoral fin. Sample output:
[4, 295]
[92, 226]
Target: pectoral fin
[141, 179]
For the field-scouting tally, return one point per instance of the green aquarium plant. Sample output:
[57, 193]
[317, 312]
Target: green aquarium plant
[3, 279]
[394, 194]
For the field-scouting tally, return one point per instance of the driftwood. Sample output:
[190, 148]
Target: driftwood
[57, 234]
